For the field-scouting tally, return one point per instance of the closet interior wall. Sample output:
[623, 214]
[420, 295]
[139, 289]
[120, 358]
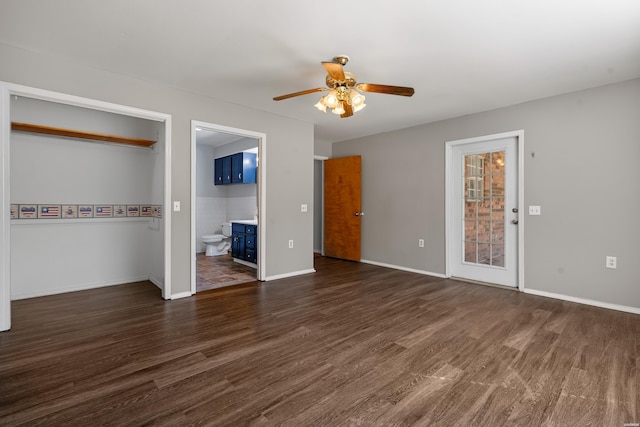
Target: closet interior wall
[55, 254]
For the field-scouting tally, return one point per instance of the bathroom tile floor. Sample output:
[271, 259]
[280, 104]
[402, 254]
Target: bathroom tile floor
[218, 271]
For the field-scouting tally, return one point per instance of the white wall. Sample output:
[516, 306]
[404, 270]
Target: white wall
[580, 166]
[211, 199]
[288, 150]
[52, 256]
[242, 201]
[56, 257]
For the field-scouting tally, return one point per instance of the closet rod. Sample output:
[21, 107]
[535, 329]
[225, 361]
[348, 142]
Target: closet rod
[79, 134]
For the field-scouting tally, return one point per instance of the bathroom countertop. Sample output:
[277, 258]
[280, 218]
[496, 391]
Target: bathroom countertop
[245, 221]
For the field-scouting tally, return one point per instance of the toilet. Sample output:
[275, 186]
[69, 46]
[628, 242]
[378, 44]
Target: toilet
[218, 244]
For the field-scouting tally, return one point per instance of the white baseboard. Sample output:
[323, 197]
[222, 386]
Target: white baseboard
[83, 287]
[399, 267]
[617, 307]
[292, 274]
[594, 303]
[181, 295]
[157, 282]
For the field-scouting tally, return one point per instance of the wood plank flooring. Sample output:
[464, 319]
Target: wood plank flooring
[351, 345]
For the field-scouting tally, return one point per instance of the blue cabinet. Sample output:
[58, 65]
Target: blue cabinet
[222, 170]
[244, 242]
[226, 170]
[239, 168]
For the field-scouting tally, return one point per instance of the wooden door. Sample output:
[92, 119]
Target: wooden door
[342, 216]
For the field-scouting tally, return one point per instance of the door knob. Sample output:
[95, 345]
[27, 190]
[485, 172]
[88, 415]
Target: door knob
[514, 221]
[359, 214]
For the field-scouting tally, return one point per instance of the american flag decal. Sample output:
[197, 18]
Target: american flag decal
[102, 211]
[49, 211]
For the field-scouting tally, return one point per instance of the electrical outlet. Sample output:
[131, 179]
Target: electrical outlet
[290, 244]
[534, 210]
[303, 207]
[611, 262]
[421, 243]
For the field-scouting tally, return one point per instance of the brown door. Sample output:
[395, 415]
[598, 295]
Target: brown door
[342, 185]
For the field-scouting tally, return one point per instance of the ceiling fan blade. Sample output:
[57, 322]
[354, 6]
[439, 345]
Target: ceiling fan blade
[335, 70]
[348, 110]
[303, 92]
[391, 90]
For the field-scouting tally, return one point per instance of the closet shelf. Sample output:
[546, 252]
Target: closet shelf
[79, 134]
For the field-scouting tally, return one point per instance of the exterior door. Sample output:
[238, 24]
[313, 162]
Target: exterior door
[484, 211]
[342, 216]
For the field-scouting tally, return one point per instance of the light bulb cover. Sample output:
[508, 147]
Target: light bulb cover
[331, 99]
[339, 109]
[359, 107]
[321, 106]
[357, 99]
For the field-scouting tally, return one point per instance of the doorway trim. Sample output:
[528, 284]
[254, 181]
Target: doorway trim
[519, 135]
[262, 193]
[7, 90]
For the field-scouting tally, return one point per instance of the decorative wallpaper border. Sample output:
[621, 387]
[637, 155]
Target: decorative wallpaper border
[37, 211]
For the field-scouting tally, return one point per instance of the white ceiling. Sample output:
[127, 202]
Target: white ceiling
[461, 56]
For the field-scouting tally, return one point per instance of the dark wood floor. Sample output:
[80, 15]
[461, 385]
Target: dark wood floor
[351, 345]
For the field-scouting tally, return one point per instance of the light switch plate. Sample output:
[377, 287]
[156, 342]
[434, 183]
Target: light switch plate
[303, 207]
[176, 206]
[534, 210]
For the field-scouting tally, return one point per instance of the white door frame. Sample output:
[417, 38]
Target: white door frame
[519, 135]
[262, 193]
[7, 90]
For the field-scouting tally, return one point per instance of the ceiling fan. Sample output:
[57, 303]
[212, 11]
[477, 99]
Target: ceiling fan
[343, 97]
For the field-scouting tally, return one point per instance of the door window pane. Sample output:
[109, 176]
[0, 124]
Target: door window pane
[497, 163]
[497, 255]
[484, 253]
[484, 210]
[497, 232]
[470, 252]
[470, 230]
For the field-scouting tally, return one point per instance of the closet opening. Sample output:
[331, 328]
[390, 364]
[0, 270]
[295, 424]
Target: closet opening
[85, 195]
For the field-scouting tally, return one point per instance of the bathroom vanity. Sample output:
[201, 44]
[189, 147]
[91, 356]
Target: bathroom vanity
[244, 241]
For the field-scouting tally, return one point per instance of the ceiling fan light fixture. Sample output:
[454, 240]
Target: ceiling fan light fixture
[331, 99]
[357, 99]
[359, 107]
[339, 109]
[321, 105]
[342, 98]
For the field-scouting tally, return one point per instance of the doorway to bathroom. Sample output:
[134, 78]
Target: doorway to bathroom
[222, 254]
